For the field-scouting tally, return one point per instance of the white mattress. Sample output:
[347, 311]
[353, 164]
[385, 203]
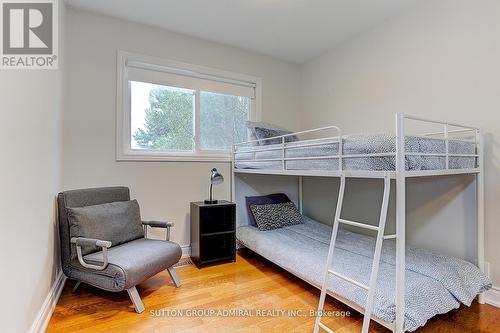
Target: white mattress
[248, 158]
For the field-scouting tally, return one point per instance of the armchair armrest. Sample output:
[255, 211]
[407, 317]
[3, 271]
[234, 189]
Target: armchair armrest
[81, 241]
[158, 224]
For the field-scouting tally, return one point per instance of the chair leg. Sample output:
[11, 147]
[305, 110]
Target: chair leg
[136, 300]
[75, 287]
[173, 275]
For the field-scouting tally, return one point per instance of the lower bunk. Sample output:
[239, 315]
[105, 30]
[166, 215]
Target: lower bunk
[435, 283]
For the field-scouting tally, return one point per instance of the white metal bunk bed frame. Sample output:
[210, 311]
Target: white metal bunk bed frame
[399, 174]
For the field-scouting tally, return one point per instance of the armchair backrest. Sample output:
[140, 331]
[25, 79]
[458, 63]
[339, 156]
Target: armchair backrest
[83, 198]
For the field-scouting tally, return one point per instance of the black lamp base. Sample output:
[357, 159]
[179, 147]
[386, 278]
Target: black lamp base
[211, 202]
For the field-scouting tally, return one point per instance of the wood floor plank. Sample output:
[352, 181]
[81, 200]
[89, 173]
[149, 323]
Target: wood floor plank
[252, 283]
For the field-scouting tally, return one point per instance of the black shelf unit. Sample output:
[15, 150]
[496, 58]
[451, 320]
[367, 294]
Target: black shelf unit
[213, 236]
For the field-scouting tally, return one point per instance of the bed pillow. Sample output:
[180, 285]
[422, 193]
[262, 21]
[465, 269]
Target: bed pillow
[264, 133]
[251, 129]
[251, 125]
[267, 129]
[262, 200]
[117, 222]
[275, 216]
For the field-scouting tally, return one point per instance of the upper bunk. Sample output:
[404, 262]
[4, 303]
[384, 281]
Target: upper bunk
[420, 147]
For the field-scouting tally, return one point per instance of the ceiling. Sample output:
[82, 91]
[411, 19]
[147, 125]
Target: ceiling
[291, 30]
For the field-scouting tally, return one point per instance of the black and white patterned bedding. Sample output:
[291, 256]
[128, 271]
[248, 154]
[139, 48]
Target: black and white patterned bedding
[435, 283]
[247, 158]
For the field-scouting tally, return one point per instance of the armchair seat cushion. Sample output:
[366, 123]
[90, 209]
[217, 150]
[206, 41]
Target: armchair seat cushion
[129, 264]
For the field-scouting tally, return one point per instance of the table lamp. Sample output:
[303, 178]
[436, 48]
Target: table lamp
[215, 179]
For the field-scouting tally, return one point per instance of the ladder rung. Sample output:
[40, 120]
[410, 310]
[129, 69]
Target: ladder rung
[359, 284]
[323, 326]
[390, 236]
[360, 225]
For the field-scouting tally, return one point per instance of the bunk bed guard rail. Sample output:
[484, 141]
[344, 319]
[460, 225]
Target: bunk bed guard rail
[260, 145]
[400, 153]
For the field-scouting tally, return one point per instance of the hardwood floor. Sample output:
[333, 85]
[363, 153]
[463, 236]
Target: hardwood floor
[252, 283]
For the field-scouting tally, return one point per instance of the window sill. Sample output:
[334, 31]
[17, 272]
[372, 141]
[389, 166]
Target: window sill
[145, 156]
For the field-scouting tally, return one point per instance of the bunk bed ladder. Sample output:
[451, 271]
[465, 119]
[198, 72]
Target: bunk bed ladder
[376, 258]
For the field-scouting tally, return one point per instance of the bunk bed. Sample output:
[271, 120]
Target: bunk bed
[339, 262]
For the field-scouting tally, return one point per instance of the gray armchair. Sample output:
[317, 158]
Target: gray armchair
[112, 265]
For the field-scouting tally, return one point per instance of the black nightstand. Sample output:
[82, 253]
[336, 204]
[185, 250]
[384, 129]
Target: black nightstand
[213, 237]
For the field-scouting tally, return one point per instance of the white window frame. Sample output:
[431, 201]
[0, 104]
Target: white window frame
[124, 152]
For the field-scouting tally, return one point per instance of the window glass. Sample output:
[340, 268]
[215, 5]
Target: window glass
[222, 120]
[162, 117]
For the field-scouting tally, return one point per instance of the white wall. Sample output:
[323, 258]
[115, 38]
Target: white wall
[430, 215]
[30, 177]
[440, 60]
[163, 189]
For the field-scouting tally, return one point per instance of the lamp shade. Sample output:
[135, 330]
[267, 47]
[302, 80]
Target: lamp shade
[216, 178]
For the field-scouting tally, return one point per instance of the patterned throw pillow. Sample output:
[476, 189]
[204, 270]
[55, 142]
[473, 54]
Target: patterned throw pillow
[252, 125]
[272, 198]
[274, 216]
[264, 133]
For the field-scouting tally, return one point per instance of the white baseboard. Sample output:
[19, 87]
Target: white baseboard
[43, 317]
[492, 296]
[186, 251]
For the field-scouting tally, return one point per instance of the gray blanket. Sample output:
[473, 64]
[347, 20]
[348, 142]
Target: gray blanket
[435, 283]
[247, 158]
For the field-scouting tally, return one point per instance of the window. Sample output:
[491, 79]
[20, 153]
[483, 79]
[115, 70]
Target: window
[172, 111]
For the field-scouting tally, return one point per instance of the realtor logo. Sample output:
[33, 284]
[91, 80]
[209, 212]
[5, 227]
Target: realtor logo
[29, 34]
